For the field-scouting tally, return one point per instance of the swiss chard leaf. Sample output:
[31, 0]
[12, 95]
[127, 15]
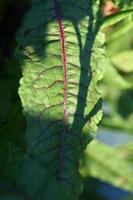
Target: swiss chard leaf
[63, 57]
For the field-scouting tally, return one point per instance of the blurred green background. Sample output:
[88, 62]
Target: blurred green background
[110, 156]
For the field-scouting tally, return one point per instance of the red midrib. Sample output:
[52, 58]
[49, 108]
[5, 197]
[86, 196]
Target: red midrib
[64, 57]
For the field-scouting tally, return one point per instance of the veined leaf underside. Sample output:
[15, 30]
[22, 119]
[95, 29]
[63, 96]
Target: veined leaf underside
[62, 60]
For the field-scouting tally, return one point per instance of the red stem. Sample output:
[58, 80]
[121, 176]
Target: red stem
[64, 62]
[64, 58]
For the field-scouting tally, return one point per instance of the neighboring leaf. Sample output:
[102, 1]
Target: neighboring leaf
[124, 61]
[115, 18]
[103, 162]
[120, 104]
[117, 84]
[62, 59]
[126, 4]
[116, 121]
[126, 151]
[118, 81]
[119, 37]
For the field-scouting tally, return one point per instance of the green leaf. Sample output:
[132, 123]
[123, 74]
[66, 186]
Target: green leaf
[116, 121]
[118, 82]
[124, 61]
[120, 104]
[103, 162]
[115, 18]
[126, 151]
[35, 181]
[62, 60]
[124, 3]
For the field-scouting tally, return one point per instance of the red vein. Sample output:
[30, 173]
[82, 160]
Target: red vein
[64, 62]
[64, 59]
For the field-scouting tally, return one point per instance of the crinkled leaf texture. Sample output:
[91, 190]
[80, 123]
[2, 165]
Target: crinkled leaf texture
[63, 57]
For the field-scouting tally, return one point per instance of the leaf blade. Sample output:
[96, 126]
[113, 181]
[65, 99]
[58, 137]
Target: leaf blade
[58, 145]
